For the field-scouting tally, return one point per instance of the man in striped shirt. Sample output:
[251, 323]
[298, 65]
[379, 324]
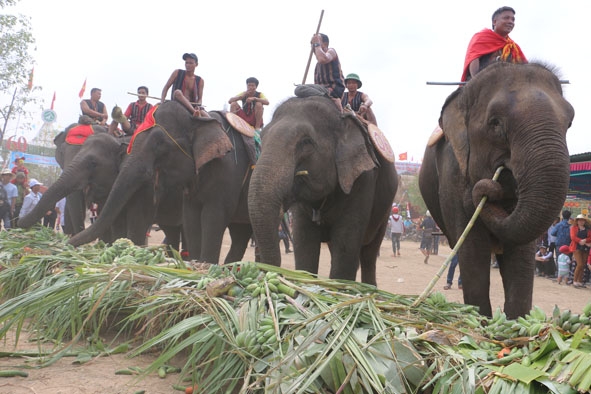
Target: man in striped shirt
[134, 114]
[328, 69]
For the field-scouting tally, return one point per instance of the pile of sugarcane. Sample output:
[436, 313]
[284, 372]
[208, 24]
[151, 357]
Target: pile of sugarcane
[249, 328]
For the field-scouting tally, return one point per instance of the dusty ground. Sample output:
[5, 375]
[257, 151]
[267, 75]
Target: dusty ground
[404, 275]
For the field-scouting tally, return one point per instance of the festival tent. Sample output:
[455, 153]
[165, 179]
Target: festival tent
[580, 176]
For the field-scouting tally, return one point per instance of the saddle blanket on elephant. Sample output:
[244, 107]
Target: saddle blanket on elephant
[77, 135]
[148, 123]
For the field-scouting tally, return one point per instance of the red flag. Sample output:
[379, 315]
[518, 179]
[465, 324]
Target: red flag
[53, 100]
[81, 94]
[30, 85]
[403, 156]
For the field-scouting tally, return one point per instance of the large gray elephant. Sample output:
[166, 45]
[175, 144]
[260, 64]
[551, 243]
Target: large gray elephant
[68, 143]
[321, 165]
[218, 200]
[90, 172]
[509, 115]
[183, 155]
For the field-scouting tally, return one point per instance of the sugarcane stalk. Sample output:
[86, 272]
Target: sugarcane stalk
[454, 251]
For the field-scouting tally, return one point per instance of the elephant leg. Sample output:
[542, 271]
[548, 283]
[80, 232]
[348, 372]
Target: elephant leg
[517, 268]
[306, 243]
[213, 226]
[76, 210]
[474, 260]
[240, 234]
[173, 235]
[369, 255]
[140, 212]
[119, 228]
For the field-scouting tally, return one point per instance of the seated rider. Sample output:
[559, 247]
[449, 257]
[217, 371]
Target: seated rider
[488, 45]
[252, 104]
[94, 107]
[187, 87]
[134, 114]
[359, 102]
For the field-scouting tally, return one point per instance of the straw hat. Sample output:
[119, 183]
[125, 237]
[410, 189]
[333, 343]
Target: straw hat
[584, 217]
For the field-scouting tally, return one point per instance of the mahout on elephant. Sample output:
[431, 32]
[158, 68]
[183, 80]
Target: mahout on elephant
[322, 166]
[512, 116]
[190, 157]
[68, 143]
[90, 173]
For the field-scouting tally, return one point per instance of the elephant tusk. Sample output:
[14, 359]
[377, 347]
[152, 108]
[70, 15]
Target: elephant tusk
[303, 172]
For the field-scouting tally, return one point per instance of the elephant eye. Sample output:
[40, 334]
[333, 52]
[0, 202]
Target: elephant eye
[305, 144]
[496, 126]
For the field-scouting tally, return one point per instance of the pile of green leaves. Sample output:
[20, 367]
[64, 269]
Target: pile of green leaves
[248, 327]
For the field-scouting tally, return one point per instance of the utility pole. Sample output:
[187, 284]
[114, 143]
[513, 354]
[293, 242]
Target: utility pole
[7, 117]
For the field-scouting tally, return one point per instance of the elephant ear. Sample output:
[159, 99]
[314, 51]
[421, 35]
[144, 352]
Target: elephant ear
[209, 142]
[352, 155]
[453, 123]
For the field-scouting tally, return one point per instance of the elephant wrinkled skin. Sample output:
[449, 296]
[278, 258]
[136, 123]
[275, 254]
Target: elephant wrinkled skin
[321, 165]
[514, 116]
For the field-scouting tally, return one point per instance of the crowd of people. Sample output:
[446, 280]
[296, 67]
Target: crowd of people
[19, 195]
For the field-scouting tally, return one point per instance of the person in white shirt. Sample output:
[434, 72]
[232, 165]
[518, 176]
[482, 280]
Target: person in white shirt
[32, 198]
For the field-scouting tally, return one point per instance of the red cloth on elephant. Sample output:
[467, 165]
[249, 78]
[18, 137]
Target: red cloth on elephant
[77, 135]
[487, 41]
[148, 123]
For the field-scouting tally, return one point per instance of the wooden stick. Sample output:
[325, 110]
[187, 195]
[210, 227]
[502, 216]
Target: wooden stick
[157, 98]
[312, 49]
[461, 240]
[562, 81]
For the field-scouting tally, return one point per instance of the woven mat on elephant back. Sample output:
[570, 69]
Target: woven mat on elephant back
[380, 142]
[148, 123]
[241, 125]
[77, 135]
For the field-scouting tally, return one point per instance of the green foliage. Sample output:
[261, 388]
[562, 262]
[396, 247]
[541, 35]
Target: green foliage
[16, 64]
[414, 195]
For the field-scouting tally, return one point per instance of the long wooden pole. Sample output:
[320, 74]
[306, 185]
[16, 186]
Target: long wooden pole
[312, 49]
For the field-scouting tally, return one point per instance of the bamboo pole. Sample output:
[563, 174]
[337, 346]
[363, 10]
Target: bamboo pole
[454, 251]
[312, 49]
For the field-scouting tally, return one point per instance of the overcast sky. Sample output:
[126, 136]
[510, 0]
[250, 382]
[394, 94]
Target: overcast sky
[395, 48]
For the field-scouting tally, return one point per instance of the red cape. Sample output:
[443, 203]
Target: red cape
[77, 135]
[148, 123]
[487, 41]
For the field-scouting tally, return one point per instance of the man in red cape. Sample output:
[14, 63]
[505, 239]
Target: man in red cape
[487, 45]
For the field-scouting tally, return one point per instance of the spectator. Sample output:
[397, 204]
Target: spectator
[428, 226]
[450, 274]
[32, 198]
[562, 231]
[50, 218]
[61, 209]
[22, 189]
[563, 264]
[8, 195]
[396, 230]
[544, 262]
[19, 166]
[552, 238]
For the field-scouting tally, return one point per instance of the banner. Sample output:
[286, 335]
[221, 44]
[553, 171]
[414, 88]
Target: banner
[31, 159]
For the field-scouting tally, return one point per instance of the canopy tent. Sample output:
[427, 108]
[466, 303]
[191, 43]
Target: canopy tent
[580, 176]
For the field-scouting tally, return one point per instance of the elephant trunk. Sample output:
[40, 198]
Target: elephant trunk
[134, 174]
[539, 178]
[66, 184]
[268, 191]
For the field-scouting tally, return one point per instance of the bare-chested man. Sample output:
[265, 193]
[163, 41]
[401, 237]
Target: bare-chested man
[187, 88]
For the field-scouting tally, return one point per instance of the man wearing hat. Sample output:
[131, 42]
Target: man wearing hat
[358, 101]
[22, 187]
[8, 196]
[187, 87]
[32, 198]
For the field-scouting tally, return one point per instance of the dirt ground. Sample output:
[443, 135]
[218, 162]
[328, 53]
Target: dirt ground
[403, 275]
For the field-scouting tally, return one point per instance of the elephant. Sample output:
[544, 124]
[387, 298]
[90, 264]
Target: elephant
[218, 199]
[178, 156]
[91, 173]
[65, 152]
[509, 115]
[322, 166]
